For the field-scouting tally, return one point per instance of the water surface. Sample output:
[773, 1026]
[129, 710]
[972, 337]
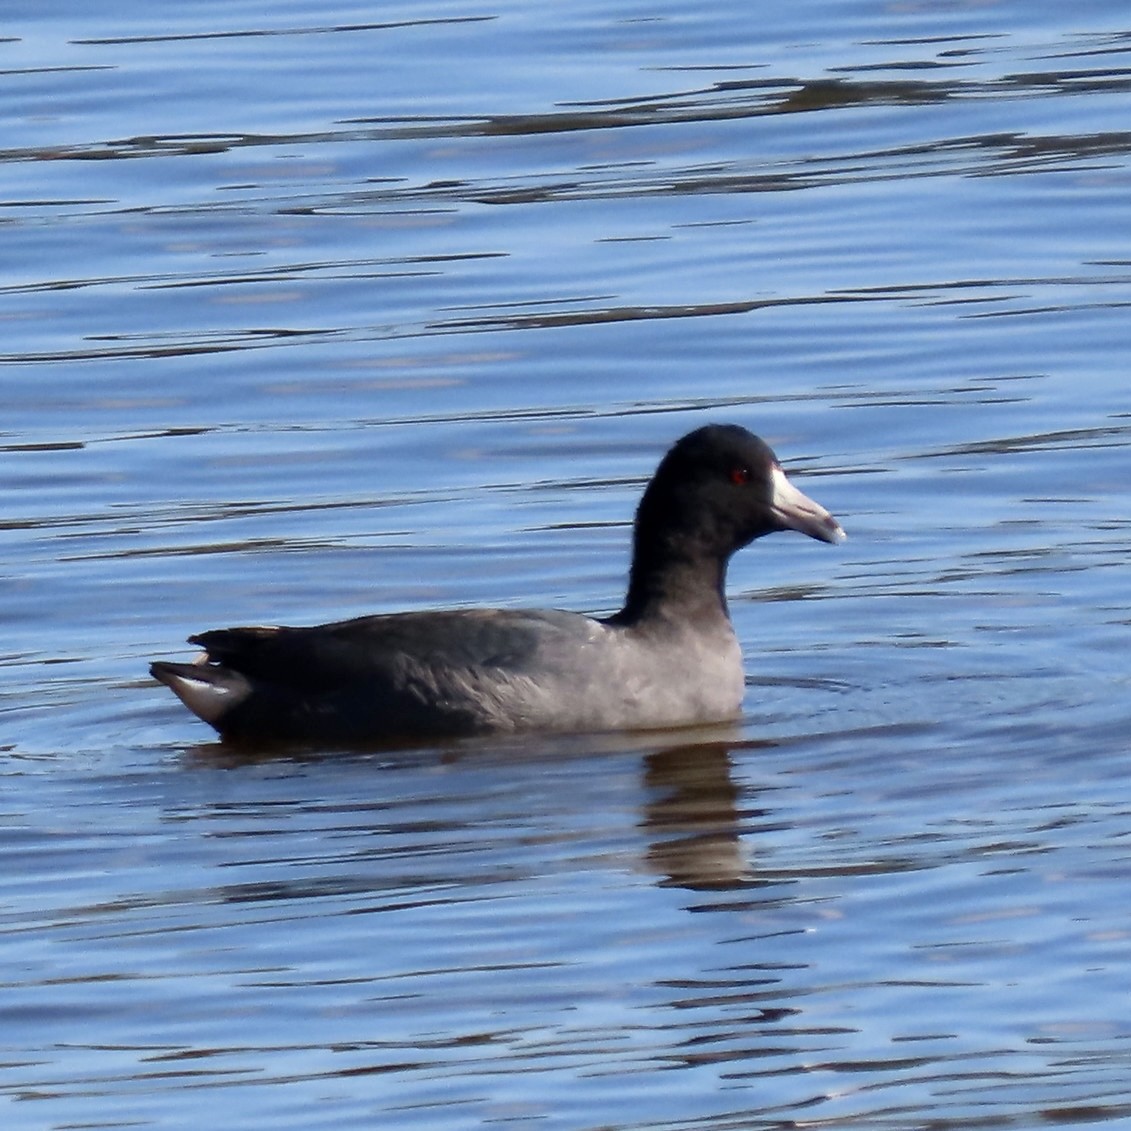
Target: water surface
[319, 312]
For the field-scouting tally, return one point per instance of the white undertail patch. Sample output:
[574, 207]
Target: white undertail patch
[211, 696]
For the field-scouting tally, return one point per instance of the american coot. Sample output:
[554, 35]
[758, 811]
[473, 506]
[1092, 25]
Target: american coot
[668, 658]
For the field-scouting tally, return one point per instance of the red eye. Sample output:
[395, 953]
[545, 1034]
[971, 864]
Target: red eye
[739, 475]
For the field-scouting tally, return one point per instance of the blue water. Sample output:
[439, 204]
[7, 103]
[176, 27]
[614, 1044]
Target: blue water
[341, 309]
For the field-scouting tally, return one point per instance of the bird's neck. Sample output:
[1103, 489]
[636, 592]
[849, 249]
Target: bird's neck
[681, 587]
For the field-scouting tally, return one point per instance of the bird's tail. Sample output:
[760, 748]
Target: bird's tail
[208, 690]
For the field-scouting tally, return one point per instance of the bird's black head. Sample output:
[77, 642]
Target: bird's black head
[720, 487]
[715, 491]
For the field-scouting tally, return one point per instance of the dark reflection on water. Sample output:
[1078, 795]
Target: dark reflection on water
[256, 33]
[720, 101]
[694, 824]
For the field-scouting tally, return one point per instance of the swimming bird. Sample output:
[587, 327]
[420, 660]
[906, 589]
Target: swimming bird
[669, 658]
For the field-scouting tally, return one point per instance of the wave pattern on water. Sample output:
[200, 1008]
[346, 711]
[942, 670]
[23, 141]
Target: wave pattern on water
[316, 313]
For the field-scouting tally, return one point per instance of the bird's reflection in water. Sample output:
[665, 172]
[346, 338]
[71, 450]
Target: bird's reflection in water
[692, 817]
[690, 813]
